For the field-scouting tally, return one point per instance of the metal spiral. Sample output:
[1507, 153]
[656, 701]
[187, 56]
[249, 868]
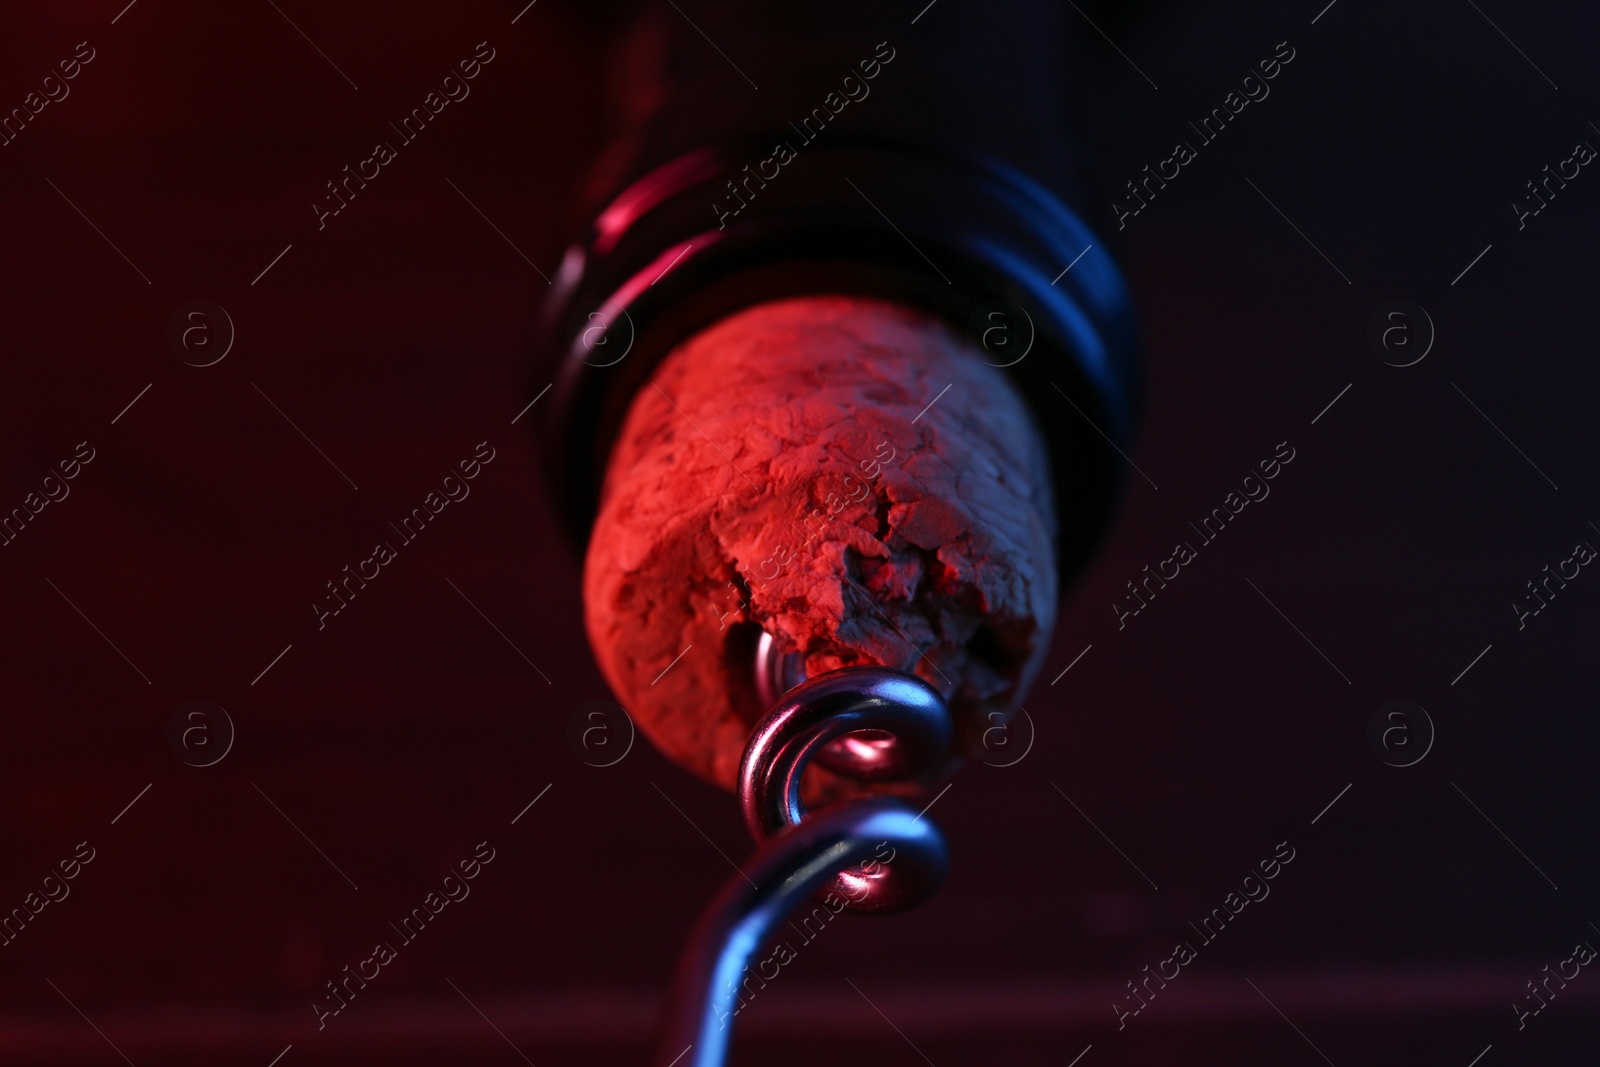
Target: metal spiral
[867, 723]
[898, 725]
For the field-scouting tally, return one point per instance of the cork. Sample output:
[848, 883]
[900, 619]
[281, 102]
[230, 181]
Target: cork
[846, 474]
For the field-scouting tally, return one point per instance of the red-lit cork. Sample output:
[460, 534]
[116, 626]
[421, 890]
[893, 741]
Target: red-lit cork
[847, 474]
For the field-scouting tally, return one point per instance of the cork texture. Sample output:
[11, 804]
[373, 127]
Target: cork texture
[847, 474]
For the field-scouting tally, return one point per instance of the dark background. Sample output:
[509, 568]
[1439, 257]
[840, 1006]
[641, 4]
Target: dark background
[408, 730]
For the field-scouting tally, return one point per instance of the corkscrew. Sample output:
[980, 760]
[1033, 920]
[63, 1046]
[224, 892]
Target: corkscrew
[870, 855]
